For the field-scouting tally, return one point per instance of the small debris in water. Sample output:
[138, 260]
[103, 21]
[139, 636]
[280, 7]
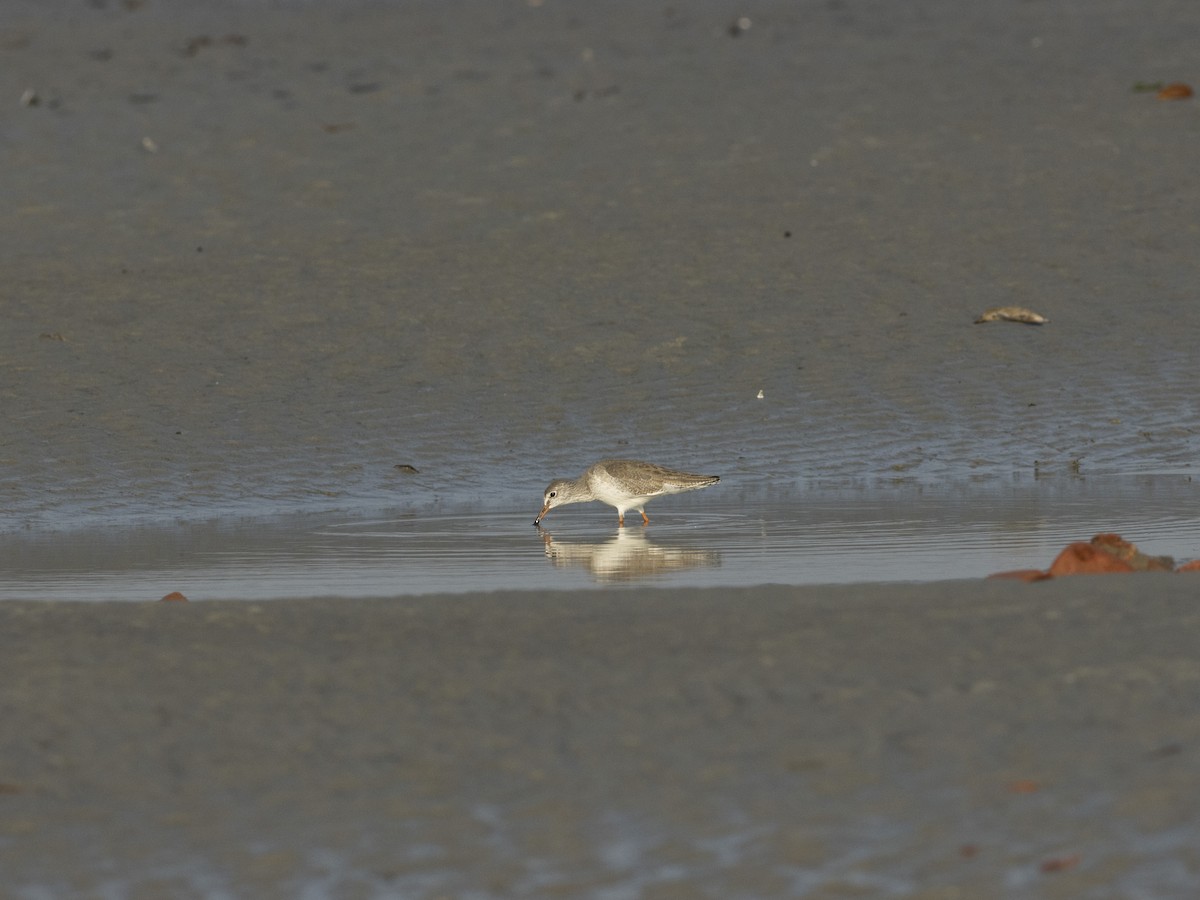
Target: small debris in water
[30, 98]
[406, 469]
[760, 394]
[739, 26]
[1012, 314]
[149, 145]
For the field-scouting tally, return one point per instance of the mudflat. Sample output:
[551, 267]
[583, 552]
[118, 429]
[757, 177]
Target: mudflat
[939, 740]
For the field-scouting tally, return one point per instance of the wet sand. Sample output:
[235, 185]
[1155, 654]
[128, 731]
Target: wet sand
[964, 739]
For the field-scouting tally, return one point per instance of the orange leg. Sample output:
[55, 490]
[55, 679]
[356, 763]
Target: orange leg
[621, 519]
[645, 518]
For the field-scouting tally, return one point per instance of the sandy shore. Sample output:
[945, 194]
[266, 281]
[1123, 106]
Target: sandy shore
[962, 739]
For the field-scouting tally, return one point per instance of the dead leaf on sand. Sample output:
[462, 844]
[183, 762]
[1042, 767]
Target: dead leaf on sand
[1176, 90]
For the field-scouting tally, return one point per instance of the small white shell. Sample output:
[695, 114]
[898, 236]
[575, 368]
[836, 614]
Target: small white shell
[1012, 314]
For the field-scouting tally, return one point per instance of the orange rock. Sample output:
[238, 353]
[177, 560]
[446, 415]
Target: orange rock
[1193, 566]
[1022, 575]
[1086, 559]
[1115, 545]
[1102, 554]
[1176, 90]
[1023, 786]
[174, 597]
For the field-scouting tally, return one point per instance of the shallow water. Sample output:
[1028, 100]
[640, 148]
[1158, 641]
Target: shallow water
[731, 535]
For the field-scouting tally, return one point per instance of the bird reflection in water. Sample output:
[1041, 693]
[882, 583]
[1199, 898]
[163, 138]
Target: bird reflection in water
[626, 557]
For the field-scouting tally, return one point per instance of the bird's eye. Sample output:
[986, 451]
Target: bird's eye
[552, 494]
